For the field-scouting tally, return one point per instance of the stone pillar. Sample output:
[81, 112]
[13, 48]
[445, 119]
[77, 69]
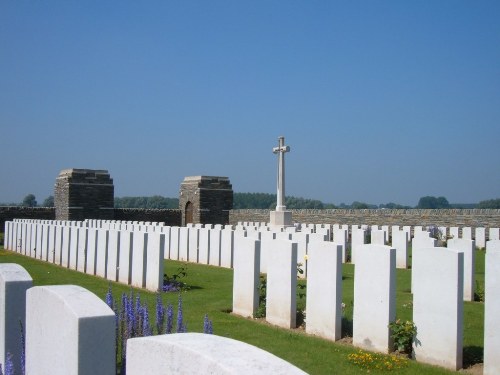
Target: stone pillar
[81, 194]
[205, 200]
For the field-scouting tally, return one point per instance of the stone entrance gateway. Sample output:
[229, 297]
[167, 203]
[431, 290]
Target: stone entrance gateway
[188, 212]
[81, 194]
[205, 200]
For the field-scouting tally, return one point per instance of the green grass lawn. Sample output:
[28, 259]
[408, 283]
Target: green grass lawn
[211, 292]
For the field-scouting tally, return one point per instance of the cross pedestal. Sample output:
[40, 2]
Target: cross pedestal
[281, 217]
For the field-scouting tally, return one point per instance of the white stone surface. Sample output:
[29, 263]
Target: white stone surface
[92, 250]
[226, 251]
[302, 239]
[113, 263]
[454, 232]
[374, 297]
[358, 238]
[81, 261]
[69, 331]
[378, 237]
[480, 237]
[467, 247]
[14, 282]
[246, 276]
[492, 309]
[166, 231]
[126, 248]
[467, 233]
[324, 290]
[174, 243]
[494, 234]
[73, 247]
[197, 353]
[214, 252]
[419, 242]
[194, 237]
[400, 243]
[139, 259]
[102, 253]
[46, 233]
[281, 299]
[154, 261]
[340, 237]
[204, 245]
[266, 246]
[183, 244]
[438, 307]
[65, 246]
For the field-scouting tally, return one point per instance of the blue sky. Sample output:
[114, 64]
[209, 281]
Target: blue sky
[380, 101]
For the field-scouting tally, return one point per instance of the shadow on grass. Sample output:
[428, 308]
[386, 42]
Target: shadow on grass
[472, 355]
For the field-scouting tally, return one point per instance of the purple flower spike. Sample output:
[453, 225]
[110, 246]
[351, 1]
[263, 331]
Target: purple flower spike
[170, 318]
[160, 314]
[180, 318]
[109, 298]
[207, 325]
[9, 366]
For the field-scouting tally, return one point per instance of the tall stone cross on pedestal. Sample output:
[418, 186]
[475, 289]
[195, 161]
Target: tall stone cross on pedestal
[281, 217]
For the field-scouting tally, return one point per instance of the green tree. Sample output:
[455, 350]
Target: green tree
[429, 202]
[48, 202]
[490, 203]
[29, 201]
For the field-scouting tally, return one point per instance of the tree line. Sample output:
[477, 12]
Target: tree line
[268, 201]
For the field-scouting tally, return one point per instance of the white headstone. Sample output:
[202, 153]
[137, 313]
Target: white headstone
[491, 309]
[246, 276]
[102, 253]
[438, 307]
[204, 245]
[215, 247]
[467, 233]
[400, 243]
[91, 250]
[154, 261]
[112, 268]
[126, 251]
[139, 259]
[378, 237]
[14, 282]
[494, 234]
[69, 330]
[194, 237]
[419, 242]
[358, 238]
[480, 237]
[281, 299]
[454, 232]
[184, 244]
[340, 237]
[467, 247]
[226, 250]
[197, 353]
[374, 297]
[324, 290]
[174, 243]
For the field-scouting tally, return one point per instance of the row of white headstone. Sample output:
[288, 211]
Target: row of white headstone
[437, 285]
[133, 257]
[70, 331]
[118, 250]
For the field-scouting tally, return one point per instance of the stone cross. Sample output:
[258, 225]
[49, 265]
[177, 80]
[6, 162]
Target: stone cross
[280, 150]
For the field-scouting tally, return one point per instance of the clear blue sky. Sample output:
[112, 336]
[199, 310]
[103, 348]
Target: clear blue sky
[380, 101]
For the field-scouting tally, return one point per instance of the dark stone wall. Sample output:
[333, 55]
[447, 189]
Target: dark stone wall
[489, 218]
[81, 194]
[211, 198]
[169, 217]
[8, 213]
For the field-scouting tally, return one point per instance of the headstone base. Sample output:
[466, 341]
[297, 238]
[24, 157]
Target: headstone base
[281, 219]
